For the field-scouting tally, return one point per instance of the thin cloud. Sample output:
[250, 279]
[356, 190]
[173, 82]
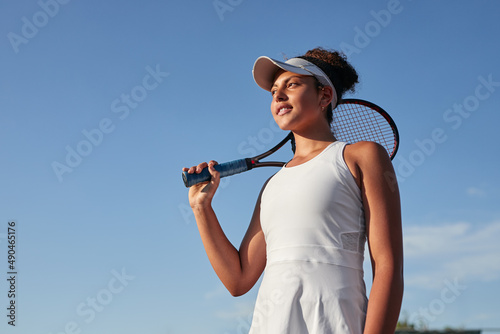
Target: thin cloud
[218, 291]
[460, 250]
[475, 192]
[240, 310]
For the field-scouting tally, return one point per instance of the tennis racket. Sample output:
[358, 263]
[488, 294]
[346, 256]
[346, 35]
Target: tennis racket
[354, 120]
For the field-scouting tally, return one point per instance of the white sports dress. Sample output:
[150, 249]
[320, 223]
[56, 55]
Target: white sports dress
[313, 221]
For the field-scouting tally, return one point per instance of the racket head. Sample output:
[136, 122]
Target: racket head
[356, 120]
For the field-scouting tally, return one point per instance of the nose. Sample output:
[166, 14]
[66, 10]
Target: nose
[279, 94]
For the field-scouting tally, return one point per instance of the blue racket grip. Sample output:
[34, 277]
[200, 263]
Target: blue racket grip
[225, 169]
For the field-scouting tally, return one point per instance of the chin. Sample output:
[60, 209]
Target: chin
[285, 126]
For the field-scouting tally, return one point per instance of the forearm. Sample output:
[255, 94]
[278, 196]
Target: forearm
[384, 302]
[223, 256]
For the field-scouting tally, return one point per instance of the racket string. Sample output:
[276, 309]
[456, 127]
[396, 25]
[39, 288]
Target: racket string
[356, 122]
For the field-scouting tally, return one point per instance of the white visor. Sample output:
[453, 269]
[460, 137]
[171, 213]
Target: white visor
[265, 69]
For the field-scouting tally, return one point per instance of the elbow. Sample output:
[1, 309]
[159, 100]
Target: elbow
[398, 281]
[398, 277]
[391, 274]
[236, 291]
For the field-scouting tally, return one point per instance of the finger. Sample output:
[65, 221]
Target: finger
[200, 167]
[213, 162]
[211, 167]
[192, 170]
[195, 169]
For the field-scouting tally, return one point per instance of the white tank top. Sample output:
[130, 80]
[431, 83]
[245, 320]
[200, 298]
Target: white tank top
[314, 212]
[313, 221]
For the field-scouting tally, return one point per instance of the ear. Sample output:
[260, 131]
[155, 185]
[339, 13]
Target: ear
[327, 96]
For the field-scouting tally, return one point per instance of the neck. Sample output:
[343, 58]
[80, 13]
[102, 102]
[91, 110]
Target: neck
[312, 141]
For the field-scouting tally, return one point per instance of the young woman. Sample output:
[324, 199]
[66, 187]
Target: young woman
[313, 217]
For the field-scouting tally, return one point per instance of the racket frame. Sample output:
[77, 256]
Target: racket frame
[383, 113]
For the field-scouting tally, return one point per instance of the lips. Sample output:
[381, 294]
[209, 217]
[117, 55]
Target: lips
[283, 109]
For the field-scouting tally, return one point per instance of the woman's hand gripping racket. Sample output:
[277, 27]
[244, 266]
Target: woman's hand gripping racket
[354, 120]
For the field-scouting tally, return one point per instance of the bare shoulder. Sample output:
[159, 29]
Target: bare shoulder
[365, 156]
[365, 151]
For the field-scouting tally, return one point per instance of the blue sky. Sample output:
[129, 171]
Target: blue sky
[103, 103]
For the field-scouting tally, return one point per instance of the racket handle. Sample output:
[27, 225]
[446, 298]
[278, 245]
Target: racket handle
[225, 169]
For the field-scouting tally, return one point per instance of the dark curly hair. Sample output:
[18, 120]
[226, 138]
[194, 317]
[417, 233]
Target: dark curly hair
[335, 65]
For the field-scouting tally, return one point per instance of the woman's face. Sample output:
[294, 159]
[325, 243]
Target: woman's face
[296, 103]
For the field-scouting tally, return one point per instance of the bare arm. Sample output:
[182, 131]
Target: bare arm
[381, 201]
[237, 269]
